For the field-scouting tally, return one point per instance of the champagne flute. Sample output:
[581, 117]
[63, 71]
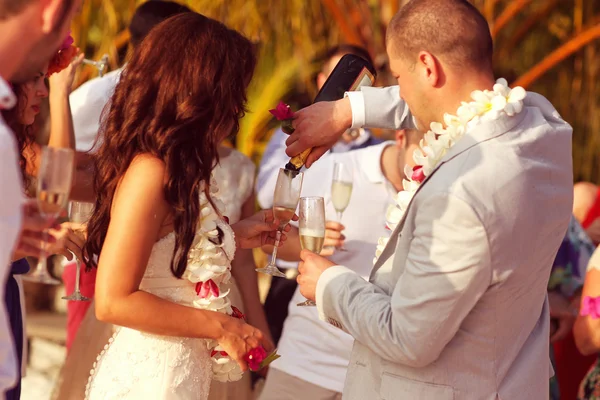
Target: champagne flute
[341, 190]
[312, 228]
[100, 65]
[80, 213]
[285, 201]
[54, 185]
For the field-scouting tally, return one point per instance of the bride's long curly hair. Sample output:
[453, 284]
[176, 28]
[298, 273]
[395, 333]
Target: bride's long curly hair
[183, 91]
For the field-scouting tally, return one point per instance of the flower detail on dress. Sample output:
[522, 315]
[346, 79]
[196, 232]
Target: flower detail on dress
[487, 105]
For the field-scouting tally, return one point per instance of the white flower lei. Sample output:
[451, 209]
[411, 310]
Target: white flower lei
[210, 269]
[487, 105]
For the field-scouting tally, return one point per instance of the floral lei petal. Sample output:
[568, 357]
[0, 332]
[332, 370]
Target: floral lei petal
[209, 268]
[487, 105]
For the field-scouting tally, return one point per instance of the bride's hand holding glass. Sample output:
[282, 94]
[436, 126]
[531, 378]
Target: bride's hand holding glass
[237, 339]
[259, 230]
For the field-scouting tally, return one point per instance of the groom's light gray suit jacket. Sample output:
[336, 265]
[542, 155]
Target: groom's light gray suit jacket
[456, 306]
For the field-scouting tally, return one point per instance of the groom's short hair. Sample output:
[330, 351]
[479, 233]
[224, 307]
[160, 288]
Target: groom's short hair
[452, 30]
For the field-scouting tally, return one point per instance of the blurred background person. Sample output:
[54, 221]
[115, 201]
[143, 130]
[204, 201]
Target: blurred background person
[281, 290]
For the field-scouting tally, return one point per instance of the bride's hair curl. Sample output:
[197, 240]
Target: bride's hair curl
[183, 91]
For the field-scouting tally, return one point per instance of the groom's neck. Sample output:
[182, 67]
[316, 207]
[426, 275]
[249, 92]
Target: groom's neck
[458, 88]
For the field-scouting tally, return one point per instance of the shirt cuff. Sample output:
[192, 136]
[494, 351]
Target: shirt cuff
[357, 105]
[326, 277]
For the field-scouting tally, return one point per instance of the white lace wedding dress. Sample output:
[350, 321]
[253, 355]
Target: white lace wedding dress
[138, 366]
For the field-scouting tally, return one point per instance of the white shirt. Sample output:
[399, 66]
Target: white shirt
[311, 349]
[10, 226]
[87, 104]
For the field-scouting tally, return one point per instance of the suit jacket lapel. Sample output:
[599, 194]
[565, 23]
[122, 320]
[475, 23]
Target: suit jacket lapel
[481, 133]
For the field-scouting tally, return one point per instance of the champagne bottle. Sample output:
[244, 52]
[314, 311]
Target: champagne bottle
[351, 73]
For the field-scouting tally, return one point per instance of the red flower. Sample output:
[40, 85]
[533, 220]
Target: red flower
[237, 313]
[61, 60]
[205, 289]
[418, 175]
[283, 112]
[255, 357]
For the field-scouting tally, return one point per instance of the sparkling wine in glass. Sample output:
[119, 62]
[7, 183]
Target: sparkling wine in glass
[54, 185]
[312, 228]
[80, 213]
[341, 190]
[285, 201]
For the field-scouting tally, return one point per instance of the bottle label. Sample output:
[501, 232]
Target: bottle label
[365, 78]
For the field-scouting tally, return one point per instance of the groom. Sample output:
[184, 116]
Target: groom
[455, 307]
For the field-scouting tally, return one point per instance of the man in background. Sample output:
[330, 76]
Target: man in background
[274, 158]
[31, 32]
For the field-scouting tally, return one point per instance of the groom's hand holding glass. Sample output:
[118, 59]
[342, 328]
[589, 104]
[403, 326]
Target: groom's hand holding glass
[310, 268]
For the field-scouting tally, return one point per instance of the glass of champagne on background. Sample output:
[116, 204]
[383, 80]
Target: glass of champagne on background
[53, 187]
[80, 213]
[285, 201]
[341, 190]
[312, 228]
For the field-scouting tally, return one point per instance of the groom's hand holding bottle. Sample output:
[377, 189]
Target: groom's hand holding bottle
[310, 268]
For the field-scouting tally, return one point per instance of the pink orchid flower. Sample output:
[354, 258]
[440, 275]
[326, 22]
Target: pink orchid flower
[255, 357]
[282, 112]
[205, 289]
[591, 307]
[418, 175]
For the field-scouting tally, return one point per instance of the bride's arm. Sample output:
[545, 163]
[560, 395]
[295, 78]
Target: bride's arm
[138, 212]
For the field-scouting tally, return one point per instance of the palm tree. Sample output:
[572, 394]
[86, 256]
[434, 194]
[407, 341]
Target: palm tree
[548, 46]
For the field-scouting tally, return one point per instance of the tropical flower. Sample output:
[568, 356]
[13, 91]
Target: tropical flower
[255, 357]
[282, 112]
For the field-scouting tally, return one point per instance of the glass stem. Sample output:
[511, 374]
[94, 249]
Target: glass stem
[339, 216]
[77, 274]
[42, 264]
[274, 255]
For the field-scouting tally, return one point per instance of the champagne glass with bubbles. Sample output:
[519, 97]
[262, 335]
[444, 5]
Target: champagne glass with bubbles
[285, 201]
[80, 213]
[341, 190]
[54, 185]
[312, 228]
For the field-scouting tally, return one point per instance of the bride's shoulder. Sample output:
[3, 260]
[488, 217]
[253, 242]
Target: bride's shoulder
[145, 174]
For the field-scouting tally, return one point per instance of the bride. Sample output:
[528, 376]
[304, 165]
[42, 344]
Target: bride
[156, 224]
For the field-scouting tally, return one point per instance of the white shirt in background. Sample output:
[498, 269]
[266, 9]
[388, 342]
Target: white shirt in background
[10, 226]
[87, 104]
[311, 349]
